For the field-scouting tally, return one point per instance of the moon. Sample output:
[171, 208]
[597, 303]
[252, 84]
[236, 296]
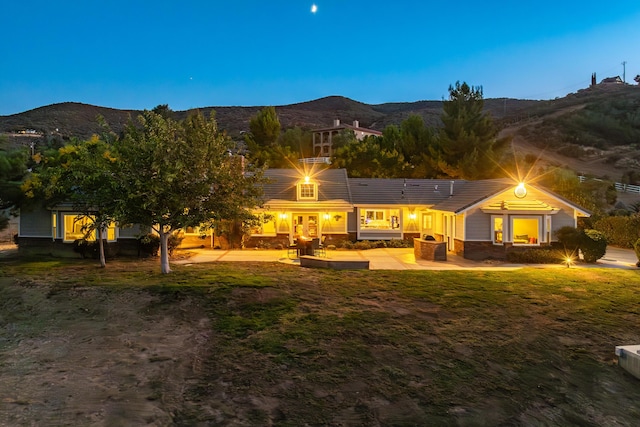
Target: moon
[314, 8]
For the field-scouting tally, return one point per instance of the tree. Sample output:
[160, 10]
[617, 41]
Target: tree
[469, 146]
[80, 173]
[13, 169]
[173, 174]
[264, 131]
[366, 159]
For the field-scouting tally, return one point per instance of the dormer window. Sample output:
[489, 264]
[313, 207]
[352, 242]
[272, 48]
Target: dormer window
[307, 190]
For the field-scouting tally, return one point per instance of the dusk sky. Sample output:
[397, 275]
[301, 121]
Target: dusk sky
[136, 54]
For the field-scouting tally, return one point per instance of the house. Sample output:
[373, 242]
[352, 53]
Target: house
[476, 219]
[323, 138]
[53, 231]
[612, 81]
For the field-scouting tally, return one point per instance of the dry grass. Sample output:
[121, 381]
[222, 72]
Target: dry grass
[232, 344]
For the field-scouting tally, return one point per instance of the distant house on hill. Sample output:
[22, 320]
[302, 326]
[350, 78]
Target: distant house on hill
[323, 138]
[612, 81]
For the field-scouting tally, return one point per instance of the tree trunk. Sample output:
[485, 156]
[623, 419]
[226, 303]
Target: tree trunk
[103, 262]
[164, 251]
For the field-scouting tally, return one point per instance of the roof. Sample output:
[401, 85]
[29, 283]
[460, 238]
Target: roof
[346, 126]
[471, 193]
[446, 195]
[381, 191]
[281, 184]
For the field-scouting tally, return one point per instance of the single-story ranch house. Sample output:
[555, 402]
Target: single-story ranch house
[476, 219]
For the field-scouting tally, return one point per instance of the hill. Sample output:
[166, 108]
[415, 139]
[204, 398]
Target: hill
[594, 131]
[74, 119]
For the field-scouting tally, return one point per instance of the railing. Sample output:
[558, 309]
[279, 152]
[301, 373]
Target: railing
[620, 187]
[308, 160]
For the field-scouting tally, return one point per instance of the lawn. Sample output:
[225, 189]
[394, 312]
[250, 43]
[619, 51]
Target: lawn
[234, 344]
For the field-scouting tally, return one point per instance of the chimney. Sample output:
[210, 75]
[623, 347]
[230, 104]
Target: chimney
[356, 124]
[593, 79]
[336, 123]
[451, 188]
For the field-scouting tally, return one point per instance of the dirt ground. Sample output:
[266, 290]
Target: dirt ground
[91, 357]
[77, 355]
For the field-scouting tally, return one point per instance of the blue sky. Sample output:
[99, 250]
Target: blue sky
[136, 54]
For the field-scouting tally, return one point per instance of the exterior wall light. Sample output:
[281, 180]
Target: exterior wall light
[520, 191]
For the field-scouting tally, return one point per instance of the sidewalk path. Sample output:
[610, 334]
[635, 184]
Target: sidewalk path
[400, 259]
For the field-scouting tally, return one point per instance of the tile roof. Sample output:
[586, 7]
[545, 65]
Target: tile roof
[332, 184]
[380, 191]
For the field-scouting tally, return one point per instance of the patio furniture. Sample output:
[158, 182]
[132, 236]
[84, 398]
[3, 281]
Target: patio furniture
[318, 248]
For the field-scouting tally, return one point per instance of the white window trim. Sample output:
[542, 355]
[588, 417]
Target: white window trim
[493, 230]
[540, 220]
[315, 191]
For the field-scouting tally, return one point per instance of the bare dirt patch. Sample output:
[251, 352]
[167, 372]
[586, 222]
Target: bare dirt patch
[95, 357]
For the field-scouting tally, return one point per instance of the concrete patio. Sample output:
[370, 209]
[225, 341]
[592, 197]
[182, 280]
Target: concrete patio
[400, 259]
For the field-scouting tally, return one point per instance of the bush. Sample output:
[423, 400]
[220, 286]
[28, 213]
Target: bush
[636, 248]
[619, 230]
[593, 245]
[570, 238]
[148, 245]
[535, 256]
[86, 249]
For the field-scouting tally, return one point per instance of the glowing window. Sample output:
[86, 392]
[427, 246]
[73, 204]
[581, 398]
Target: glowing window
[79, 227]
[526, 231]
[380, 219]
[307, 191]
[266, 226]
[497, 230]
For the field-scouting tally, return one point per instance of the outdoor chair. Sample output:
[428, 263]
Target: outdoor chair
[318, 248]
[292, 250]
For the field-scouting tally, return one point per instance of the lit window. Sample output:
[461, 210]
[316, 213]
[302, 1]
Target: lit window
[266, 226]
[78, 227]
[427, 221]
[526, 231]
[386, 219]
[497, 230]
[307, 191]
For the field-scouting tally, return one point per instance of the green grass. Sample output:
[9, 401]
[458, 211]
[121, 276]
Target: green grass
[526, 347]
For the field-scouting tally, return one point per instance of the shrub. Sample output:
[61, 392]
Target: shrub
[86, 249]
[593, 245]
[535, 256]
[636, 248]
[619, 230]
[148, 245]
[569, 237]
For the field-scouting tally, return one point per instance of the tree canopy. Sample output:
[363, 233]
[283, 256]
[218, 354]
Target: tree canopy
[174, 174]
[13, 169]
[80, 173]
[468, 143]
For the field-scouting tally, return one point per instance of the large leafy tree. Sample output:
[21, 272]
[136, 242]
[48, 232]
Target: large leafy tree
[80, 173]
[469, 146]
[367, 159]
[174, 174]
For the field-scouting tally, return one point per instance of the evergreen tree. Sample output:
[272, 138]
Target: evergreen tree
[468, 144]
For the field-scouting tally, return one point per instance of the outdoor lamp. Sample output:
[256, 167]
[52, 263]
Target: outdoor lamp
[520, 191]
